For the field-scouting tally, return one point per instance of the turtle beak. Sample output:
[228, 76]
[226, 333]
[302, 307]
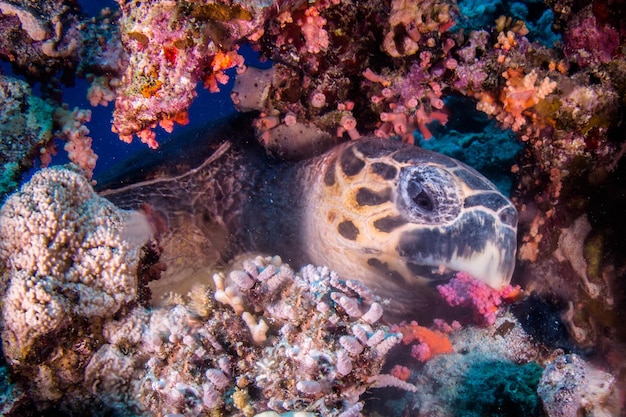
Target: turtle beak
[476, 242]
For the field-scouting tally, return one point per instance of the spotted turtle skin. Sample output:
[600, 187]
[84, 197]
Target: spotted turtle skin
[397, 217]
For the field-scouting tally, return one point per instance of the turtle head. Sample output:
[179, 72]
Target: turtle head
[401, 218]
[458, 221]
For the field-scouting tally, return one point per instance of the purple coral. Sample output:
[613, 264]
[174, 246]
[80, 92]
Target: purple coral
[589, 41]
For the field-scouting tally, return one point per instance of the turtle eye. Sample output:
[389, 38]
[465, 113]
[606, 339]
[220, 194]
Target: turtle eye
[428, 195]
[424, 201]
[420, 197]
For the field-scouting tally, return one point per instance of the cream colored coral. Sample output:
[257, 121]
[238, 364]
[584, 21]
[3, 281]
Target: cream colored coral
[571, 248]
[31, 308]
[66, 251]
[258, 328]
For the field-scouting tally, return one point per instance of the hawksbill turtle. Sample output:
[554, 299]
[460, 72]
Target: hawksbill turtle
[393, 215]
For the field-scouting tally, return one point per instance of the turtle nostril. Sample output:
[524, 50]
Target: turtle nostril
[508, 216]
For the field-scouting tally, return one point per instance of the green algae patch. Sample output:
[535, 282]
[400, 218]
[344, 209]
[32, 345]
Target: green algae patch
[498, 389]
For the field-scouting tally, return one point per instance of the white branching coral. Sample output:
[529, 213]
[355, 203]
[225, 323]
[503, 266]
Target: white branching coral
[65, 253]
[285, 345]
[322, 363]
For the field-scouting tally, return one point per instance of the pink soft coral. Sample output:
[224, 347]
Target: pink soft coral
[465, 290]
[71, 128]
[312, 27]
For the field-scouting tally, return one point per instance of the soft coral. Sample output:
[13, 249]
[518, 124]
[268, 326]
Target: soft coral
[465, 290]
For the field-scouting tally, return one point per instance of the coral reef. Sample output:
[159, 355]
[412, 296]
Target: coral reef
[265, 338]
[167, 48]
[565, 97]
[491, 370]
[341, 69]
[25, 129]
[570, 387]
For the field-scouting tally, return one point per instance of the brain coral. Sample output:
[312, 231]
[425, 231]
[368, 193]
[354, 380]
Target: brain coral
[65, 253]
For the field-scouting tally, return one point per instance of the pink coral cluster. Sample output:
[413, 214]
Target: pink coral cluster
[409, 101]
[412, 103]
[466, 291]
[169, 55]
[72, 128]
[312, 26]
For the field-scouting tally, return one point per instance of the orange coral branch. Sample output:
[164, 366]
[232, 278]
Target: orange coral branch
[436, 341]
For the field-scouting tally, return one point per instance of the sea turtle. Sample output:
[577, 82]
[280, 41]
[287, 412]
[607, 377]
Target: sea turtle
[393, 215]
